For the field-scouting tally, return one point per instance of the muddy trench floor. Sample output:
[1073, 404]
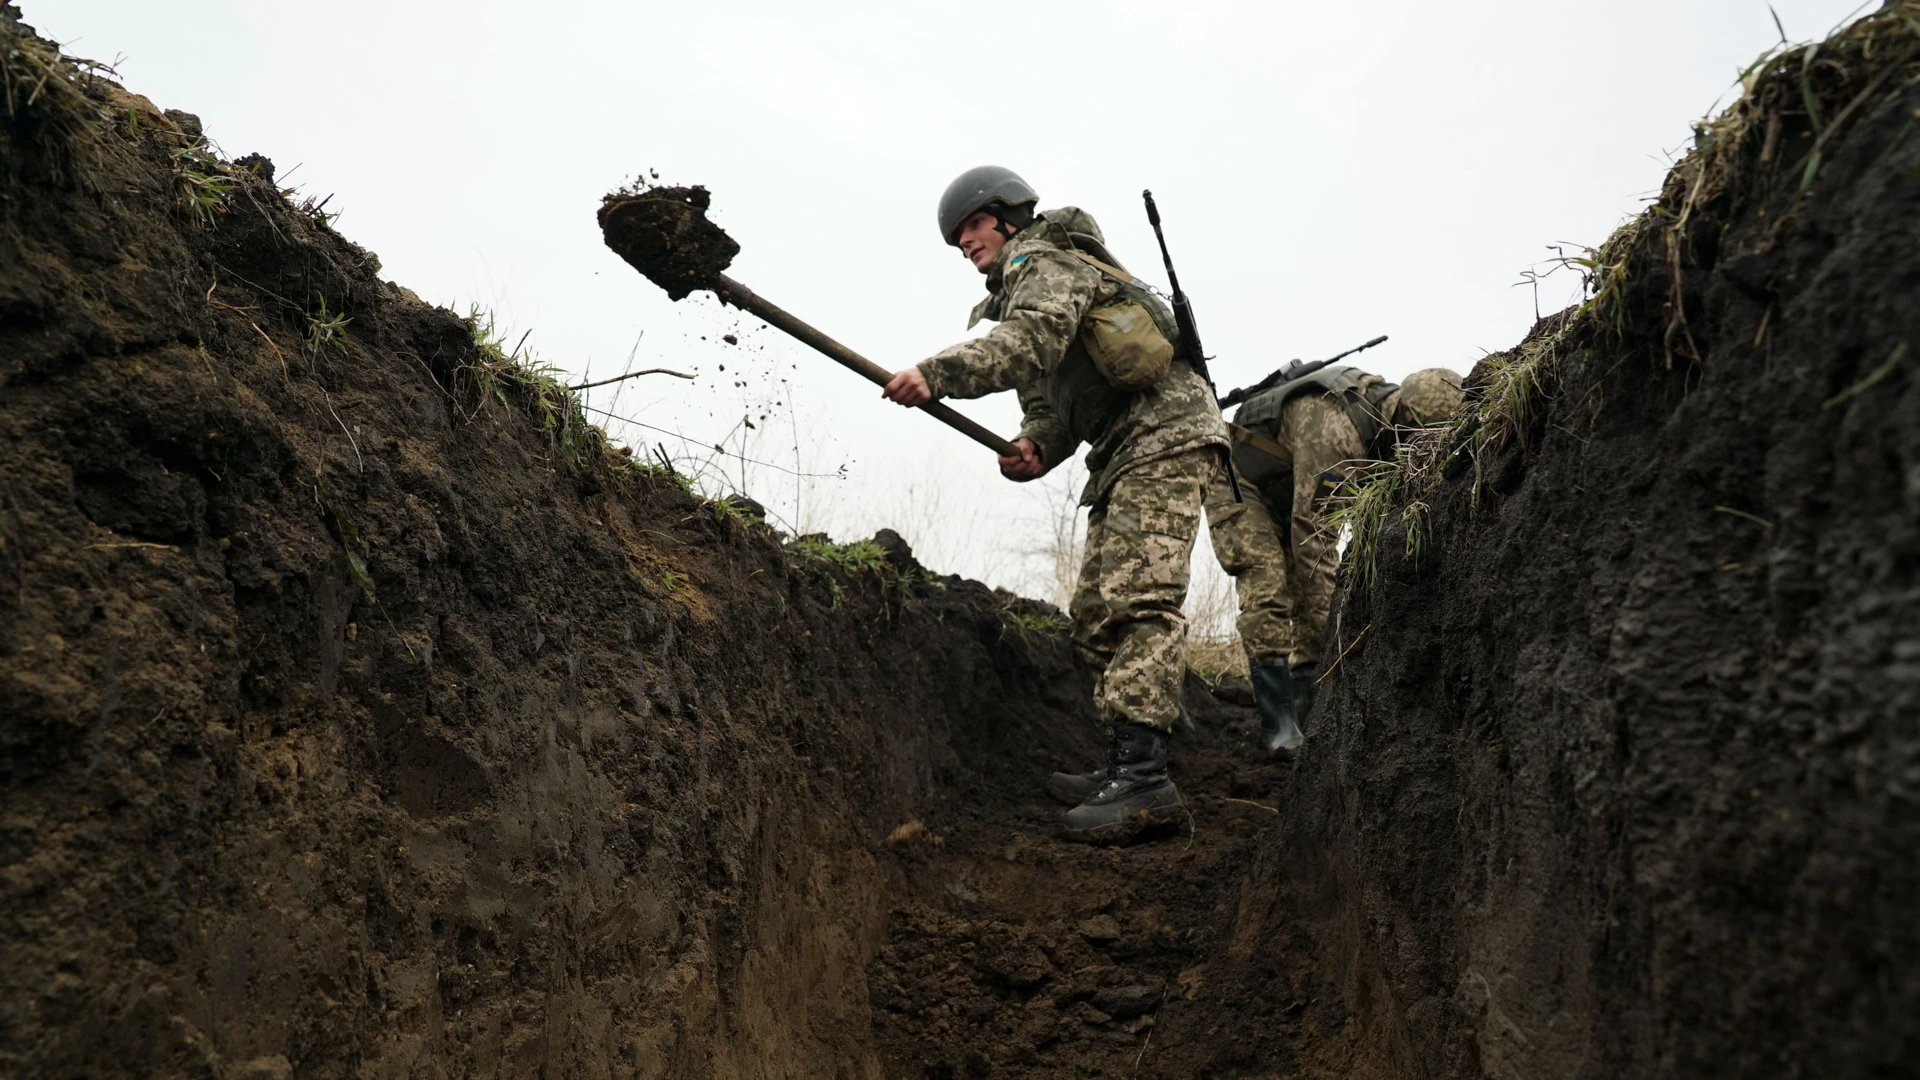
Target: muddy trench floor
[1017, 953]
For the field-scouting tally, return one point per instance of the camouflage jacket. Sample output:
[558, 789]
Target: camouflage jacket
[1038, 291]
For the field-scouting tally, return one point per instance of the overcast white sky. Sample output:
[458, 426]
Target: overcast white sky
[1327, 171]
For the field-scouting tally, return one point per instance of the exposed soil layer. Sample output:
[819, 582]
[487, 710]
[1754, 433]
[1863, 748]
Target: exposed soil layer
[1622, 779]
[664, 233]
[1013, 953]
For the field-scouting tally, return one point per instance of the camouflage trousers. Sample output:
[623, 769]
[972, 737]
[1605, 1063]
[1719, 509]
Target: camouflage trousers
[1126, 608]
[1284, 577]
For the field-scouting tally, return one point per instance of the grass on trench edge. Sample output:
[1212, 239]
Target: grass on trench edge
[52, 99]
[1827, 83]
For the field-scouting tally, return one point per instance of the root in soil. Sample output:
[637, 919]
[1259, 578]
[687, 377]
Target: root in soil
[664, 233]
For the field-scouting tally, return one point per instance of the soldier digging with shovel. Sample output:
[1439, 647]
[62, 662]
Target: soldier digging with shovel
[1094, 357]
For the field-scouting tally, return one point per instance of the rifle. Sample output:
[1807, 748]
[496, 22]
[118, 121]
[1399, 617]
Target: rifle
[1294, 370]
[1189, 348]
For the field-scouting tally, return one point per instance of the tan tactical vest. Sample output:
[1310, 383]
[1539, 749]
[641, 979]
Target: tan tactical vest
[1362, 394]
[1125, 344]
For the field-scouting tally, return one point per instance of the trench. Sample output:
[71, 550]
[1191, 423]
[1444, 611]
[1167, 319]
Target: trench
[368, 715]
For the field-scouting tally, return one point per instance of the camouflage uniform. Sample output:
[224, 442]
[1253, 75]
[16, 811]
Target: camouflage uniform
[1285, 579]
[1247, 540]
[1151, 456]
[1126, 607]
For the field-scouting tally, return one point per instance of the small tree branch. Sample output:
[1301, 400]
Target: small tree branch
[632, 375]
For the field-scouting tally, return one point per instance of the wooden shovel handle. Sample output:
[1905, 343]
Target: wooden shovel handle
[732, 292]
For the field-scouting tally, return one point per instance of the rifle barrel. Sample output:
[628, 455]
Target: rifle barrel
[1190, 348]
[1166, 258]
[1235, 397]
[1358, 348]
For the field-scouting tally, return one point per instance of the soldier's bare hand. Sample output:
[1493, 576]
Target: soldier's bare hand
[909, 388]
[1026, 466]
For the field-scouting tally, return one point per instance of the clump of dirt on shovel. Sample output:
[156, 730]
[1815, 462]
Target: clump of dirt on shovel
[664, 233]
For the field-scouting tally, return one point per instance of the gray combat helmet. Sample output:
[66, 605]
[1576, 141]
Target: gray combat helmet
[976, 189]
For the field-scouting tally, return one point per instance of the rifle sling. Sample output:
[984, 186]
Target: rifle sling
[1260, 442]
[1107, 268]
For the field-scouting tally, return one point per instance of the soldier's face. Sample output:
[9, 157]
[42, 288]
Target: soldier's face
[980, 240]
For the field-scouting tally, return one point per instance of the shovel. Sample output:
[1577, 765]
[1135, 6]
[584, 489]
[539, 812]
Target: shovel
[664, 233]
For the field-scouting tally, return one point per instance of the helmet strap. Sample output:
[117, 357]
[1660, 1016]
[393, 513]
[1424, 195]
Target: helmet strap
[1009, 219]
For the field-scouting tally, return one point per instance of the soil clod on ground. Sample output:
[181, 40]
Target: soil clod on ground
[664, 233]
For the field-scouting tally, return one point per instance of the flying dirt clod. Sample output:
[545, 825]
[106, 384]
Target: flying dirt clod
[664, 233]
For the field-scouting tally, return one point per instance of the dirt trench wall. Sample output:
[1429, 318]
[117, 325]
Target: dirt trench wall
[356, 725]
[1619, 777]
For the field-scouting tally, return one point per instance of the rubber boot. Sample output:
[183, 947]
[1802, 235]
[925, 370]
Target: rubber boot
[1274, 695]
[1072, 789]
[1137, 792]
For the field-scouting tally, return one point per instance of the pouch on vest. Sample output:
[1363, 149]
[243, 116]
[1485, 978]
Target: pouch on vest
[1126, 345]
[1130, 348]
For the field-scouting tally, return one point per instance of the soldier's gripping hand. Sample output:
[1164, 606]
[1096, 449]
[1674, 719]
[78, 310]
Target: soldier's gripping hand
[909, 388]
[1026, 466]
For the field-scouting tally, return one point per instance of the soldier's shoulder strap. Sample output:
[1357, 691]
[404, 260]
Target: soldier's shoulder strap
[1262, 443]
[1115, 272]
[1133, 288]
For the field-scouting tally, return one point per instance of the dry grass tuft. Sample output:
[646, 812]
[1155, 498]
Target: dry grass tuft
[1216, 658]
[57, 103]
[44, 88]
[517, 381]
[1796, 101]
[911, 833]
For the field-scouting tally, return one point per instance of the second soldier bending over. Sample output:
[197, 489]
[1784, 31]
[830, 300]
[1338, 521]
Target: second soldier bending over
[1315, 429]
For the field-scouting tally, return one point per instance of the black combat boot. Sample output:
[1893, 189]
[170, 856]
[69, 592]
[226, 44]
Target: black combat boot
[1137, 792]
[1277, 700]
[1072, 789]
